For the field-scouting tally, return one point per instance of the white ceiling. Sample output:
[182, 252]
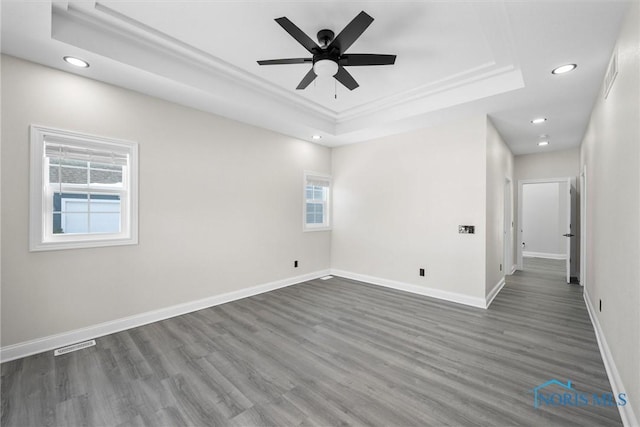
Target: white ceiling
[454, 59]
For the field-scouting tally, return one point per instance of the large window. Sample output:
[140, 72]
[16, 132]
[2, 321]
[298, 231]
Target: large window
[317, 192]
[83, 190]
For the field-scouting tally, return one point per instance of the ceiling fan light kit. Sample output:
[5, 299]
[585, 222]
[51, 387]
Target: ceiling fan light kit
[325, 68]
[329, 57]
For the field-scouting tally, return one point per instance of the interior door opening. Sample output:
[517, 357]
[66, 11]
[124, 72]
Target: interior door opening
[547, 224]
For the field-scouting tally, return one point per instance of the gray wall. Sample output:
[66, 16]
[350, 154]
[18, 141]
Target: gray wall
[398, 202]
[610, 152]
[551, 164]
[220, 207]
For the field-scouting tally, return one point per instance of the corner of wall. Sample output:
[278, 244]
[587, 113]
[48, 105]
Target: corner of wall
[499, 168]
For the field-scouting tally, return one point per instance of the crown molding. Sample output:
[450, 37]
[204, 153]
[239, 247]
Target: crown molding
[236, 93]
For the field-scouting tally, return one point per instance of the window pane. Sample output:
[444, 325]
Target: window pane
[105, 222]
[315, 213]
[53, 173]
[71, 205]
[74, 216]
[74, 223]
[309, 192]
[73, 171]
[319, 215]
[79, 213]
[106, 166]
[57, 223]
[72, 175]
[99, 176]
[105, 203]
[74, 202]
[318, 193]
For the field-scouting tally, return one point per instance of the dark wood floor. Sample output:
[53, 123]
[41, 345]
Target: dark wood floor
[328, 353]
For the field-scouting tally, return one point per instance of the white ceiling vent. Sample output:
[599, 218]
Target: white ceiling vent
[612, 72]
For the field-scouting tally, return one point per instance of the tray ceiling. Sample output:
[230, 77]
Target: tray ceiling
[453, 58]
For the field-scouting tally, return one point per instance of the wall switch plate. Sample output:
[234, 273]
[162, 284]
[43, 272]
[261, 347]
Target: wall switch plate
[467, 229]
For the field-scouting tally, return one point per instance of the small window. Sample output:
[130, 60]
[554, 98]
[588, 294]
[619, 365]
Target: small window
[83, 190]
[317, 196]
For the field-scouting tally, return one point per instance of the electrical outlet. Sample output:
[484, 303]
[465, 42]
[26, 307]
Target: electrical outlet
[295, 264]
[422, 272]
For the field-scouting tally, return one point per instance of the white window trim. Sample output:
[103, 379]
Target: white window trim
[316, 227]
[41, 237]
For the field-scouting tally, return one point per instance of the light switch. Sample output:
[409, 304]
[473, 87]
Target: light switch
[467, 229]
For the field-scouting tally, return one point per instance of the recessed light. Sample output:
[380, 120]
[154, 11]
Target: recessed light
[543, 143]
[539, 120]
[77, 62]
[316, 137]
[564, 69]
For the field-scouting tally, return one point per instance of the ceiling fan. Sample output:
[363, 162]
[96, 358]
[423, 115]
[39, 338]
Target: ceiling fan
[329, 57]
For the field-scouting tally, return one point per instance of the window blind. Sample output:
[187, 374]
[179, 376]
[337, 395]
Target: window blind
[72, 152]
[318, 181]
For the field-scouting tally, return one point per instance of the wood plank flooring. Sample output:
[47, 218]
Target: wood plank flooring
[335, 352]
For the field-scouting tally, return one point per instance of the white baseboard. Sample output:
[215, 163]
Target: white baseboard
[626, 412]
[495, 291]
[415, 289]
[543, 255]
[39, 345]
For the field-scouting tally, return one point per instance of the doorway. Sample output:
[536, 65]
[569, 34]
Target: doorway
[546, 223]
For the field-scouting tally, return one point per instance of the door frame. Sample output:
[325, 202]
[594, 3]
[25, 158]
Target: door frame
[582, 279]
[521, 182]
[507, 228]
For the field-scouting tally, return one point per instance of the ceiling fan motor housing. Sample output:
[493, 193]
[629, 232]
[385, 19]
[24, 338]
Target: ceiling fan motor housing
[325, 37]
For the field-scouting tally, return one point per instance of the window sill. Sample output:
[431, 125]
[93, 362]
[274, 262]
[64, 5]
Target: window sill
[80, 244]
[306, 229]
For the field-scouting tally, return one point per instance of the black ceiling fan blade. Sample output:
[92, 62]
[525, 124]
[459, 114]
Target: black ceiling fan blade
[306, 81]
[351, 32]
[285, 61]
[358, 59]
[298, 34]
[346, 79]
